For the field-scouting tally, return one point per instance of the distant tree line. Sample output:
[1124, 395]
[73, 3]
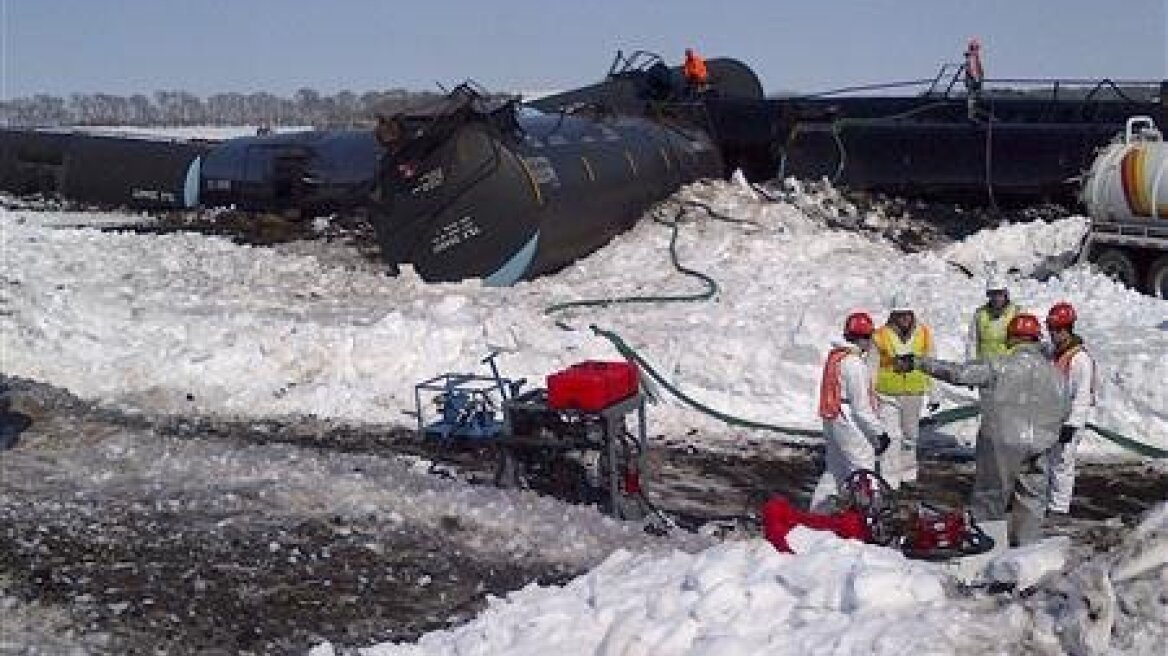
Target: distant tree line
[181, 108]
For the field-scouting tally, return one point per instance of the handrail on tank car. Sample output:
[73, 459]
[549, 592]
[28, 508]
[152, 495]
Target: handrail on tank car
[639, 60]
[949, 75]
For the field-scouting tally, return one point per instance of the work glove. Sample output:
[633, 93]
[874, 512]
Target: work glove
[904, 363]
[882, 443]
[1066, 434]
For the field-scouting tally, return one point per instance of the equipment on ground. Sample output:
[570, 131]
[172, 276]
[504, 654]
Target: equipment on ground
[468, 406]
[867, 511]
[571, 440]
[1126, 194]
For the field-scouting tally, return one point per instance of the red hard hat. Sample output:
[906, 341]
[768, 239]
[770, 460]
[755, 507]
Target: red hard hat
[1024, 325]
[859, 324]
[1062, 315]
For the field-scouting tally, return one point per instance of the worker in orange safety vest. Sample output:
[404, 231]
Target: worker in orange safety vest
[854, 436]
[974, 76]
[902, 395]
[1078, 368]
[696, 75]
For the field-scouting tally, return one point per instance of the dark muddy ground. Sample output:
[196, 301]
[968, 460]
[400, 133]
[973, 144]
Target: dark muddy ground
[160, 575]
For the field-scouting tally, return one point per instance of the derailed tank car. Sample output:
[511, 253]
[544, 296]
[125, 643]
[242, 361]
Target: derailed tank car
[506, 193]
[320, 170]
[119, 170]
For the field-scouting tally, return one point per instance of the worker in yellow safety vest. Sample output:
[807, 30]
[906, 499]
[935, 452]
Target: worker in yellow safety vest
[987, 332]
[902, 395]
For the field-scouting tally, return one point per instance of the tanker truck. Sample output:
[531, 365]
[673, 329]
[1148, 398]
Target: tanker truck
[1126, 196]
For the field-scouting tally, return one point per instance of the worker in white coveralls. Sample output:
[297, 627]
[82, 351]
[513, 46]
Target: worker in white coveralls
[1024, 404]
[854, 436]
[1078, 369]
[901, 395]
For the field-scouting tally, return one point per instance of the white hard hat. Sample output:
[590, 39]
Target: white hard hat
[996, 282]
[900, 304]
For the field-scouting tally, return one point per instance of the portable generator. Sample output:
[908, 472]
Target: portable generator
[571, 439]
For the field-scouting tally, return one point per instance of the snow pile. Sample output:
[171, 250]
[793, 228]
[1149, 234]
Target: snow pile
[830, 596]
[187, 323]
[1029, 249]
[734, 598]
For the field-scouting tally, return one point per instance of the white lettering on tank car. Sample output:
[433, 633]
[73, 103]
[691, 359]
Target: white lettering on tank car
[453, 234]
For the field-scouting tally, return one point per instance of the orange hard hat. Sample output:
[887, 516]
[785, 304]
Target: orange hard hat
[1024, 325]
[859, 324]
[1062, 315]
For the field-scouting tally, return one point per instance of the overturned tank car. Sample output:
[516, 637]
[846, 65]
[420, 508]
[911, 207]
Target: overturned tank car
[480, 188]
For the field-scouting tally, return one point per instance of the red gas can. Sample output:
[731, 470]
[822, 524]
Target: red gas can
[591, 385]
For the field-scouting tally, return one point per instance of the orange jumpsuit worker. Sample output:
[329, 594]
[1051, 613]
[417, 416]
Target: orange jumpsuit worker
[695, 71]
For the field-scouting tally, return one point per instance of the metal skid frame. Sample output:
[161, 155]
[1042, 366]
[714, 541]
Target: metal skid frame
[531, 426]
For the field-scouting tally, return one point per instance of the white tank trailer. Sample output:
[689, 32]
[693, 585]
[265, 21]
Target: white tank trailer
[1126, 195]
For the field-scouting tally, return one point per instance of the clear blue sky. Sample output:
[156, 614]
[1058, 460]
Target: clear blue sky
[205, 46]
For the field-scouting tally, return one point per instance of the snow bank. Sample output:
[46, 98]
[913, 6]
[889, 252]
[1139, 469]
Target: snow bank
[831, 596]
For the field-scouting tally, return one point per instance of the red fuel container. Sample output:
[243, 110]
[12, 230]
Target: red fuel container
[591, 385]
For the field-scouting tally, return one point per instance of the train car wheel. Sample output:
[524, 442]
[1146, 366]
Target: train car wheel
[1117, 265]
[1158, 278]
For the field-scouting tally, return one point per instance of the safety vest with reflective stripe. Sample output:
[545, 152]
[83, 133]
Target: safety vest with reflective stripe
[831, 393]
[991, 332]
[888, 342]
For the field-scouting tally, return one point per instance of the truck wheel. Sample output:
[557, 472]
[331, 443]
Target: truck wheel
[1158, 278]
[1117, 265]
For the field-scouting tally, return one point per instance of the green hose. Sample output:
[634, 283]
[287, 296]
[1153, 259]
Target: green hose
[629, 354]
[711, 287]
[969, 411]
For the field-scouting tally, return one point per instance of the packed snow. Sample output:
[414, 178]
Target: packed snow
[186, 324]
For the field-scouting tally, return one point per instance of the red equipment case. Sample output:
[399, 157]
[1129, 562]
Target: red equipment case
[591, 385]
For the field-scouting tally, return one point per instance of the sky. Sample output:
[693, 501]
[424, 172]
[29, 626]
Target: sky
[167, 323]
[130, 46]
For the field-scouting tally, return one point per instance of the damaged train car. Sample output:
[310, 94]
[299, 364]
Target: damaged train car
[312, 171]
[111, 170]
[495, 191]
[1015, 140]
[507, 192]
